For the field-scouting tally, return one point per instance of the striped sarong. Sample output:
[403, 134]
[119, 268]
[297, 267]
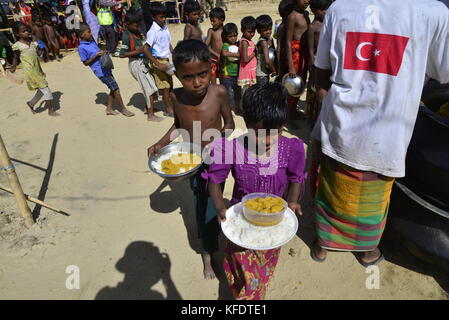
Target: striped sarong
[351, 207]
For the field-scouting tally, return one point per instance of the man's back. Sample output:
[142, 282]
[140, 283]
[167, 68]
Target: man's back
[379, 52]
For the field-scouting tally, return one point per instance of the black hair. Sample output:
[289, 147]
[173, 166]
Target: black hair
[191, 6]
[190, 50]
[320, 4]
[248, 23]
[157, 8]
[285, 8]
[263, 22]
[228, 29]
[133, 16]
[266, 105]
[83, 27]
[217, 13]
[16, 27]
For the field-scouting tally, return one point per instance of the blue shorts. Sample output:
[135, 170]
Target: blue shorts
[110, 82]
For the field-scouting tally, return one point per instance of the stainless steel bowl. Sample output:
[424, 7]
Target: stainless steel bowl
[181, 147]
[272, 55]
[295, 86]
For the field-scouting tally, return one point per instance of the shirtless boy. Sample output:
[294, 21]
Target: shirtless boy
[214, 40]
[198, 100]
[192, 30]
[38, 32]
[52, 37]
[296, 47]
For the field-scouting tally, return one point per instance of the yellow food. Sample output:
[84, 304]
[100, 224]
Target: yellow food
[180, 161]
[265, 205]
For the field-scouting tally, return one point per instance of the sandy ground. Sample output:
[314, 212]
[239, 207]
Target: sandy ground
[131, 234]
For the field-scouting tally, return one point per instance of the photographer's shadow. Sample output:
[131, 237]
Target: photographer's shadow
[143, 265]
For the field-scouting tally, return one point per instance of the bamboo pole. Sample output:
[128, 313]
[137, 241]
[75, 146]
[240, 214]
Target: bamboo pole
[37, 201]
[15, 185]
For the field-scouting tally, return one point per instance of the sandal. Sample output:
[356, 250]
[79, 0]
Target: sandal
[372, 263]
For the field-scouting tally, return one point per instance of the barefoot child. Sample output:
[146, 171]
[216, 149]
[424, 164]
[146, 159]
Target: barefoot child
[230, 62]
[265, 67]
[132, 48]
[319, 8]
[52, 37]
[207, 105]
[265, 112]
[90, 56]
[248, 54]
[26, 50]
[192, 30]
[296, 47]
[158, 49]
[214, 40]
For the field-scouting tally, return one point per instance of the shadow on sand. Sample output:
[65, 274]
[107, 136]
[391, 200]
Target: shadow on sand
[143, 265]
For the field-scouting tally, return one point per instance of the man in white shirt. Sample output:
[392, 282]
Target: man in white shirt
[373, 58]
[158, 50]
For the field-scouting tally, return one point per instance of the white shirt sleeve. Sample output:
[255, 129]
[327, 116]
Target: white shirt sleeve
[323, 56]
[151, 36]
[438, 60]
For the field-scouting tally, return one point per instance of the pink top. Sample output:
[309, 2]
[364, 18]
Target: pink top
[247, 71]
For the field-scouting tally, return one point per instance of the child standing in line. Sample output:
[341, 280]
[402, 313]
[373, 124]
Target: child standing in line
[265, 67]
[265, 111]
[132, 48]
[285, 8]
[319, 8]
[214, 40]
[38, 31]
[248, 54]
[90, 56]
[25, 50]
[296, 48]
[192, 30]
[199, 102]
[230, 62]
[52, 37]
[158, 50]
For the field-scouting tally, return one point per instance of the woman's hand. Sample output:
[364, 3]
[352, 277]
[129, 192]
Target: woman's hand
[295, 207]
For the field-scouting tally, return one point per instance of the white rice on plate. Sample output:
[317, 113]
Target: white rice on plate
[241, 230]
[158, 164]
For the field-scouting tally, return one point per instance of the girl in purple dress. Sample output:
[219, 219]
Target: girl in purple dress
[260, 161]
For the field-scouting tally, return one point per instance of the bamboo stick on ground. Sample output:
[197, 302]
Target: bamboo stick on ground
[37, 201]
[15, 185]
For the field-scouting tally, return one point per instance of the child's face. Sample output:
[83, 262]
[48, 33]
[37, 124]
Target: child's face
[195, 77]
[133, 27]
[231, 38]
[319, 14]
[160, 19]
[193, 17]
[248, 33]
[216, 23]
[267, 140]
[86, 35]
[302, 4]
[266, 32]
[23, 33]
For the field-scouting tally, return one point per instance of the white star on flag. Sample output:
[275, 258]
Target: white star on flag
[377, 52]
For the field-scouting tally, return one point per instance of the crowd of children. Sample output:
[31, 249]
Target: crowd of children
[250, 73]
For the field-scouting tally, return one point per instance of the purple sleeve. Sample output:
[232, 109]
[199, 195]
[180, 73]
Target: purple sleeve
[296, 162]
[220, 164]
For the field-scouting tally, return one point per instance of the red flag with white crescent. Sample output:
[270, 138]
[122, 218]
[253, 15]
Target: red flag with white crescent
[376, 52]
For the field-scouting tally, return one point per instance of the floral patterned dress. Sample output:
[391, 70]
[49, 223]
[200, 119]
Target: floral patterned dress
[249, 271]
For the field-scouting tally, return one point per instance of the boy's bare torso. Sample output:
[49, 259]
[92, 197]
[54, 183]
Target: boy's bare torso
[38, 32]
[216, 41]
[208, 112]
[315, 27]
[194, 32]
[300, 26]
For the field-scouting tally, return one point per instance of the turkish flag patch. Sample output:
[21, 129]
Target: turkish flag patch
[376, 52]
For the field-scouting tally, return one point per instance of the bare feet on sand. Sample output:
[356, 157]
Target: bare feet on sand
[208, 272]
[127, 113]
[31, 108]
[154, 118]
[110, 112]
[53, 114]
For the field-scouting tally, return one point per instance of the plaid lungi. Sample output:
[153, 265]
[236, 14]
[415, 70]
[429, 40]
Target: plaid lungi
[351, 207]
